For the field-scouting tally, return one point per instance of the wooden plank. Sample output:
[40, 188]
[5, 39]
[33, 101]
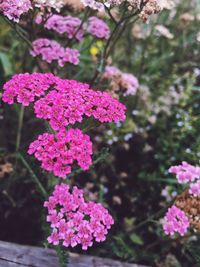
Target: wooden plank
[27, 255]
[14, 255]
[4, 263]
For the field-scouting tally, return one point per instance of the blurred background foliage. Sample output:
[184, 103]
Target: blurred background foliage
[130, 176]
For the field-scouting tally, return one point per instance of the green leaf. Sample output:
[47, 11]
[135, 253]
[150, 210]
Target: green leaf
[136, 239]
[6, 64]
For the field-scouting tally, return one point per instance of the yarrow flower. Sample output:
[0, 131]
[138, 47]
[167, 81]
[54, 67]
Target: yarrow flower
[164, 31]
[63, 107]
[189, 203]
[185, 172]
[13, 9]
[65, 24]
[74, 221]
[175, 221]
[51, 50]
[98, 28]
[67, 102]
[127, 82]
[111, 71]
[55, 4]
[186, 209]
[194, 189]
[58, 152]
[150, 7]
[24, 88]
[130, 83]
[145, 8]
[93, 4]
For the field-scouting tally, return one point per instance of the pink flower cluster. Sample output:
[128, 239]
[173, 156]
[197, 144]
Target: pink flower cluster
[175, 221]
[65, 24]
[185, 172]
[98, 28]
[23, 88]
[131, 83]
[195, 189]
[13, 9]
[72, 26]
[111, 71]
[126, 81]
[67, 101]
[66, 106]
[51, 50]
[58, 152]
[74, 221]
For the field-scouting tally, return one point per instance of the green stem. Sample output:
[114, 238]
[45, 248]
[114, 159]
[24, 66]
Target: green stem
[34, 177]
[19, 129]
[63, 256]
[152, 217]
[20, 32]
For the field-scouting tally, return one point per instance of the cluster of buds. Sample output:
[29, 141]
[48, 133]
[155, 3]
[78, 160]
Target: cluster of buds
[149, 8]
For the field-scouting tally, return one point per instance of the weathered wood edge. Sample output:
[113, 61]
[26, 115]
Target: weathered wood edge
[14, 255]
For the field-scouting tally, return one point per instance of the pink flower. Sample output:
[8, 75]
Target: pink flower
[126, 81]
[24, 88]
[98, 28]
[195, 189]
[79, 222]
[185, 172]
[65, 106]
[54, 238]
[111, 71]
[175, 221]
[51, 50]
[58, 152]
[130, 83]
[14, 9]
[65, 24]
[67, 102]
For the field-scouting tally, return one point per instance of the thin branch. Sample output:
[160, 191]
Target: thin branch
[33, 175]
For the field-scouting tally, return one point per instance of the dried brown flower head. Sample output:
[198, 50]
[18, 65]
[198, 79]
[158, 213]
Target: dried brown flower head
[150, 7]
[191, 206]
[5, 168]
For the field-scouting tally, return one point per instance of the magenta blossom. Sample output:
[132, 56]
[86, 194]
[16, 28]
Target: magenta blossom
[24, 88]
[65, 106]
[75, 221]
[66, 102]
[58, 152]
[185, 172]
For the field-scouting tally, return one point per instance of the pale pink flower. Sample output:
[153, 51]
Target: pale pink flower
[185, 172]
[176, 221]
